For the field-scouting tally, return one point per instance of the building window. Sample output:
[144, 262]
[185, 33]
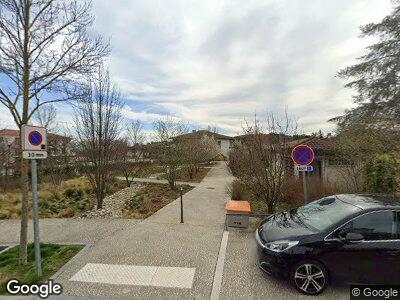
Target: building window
[219, 144]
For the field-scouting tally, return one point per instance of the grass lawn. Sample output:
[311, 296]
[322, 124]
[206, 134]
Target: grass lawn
[53, 258]
[151, 198]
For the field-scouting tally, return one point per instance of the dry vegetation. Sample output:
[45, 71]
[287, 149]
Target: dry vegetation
[291, 197]
[71, 197]
[150, 198]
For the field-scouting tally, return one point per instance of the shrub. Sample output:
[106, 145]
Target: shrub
[238, 191]
[75, 194]
[66, 213]
[219, 157]
[383, 174]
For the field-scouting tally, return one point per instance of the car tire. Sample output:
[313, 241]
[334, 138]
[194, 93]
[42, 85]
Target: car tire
[309, 277]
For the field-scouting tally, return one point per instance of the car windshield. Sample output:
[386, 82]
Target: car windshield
[325, 212]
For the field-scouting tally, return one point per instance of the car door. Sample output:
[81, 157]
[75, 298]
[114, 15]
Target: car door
[367, 261]
[393, 256]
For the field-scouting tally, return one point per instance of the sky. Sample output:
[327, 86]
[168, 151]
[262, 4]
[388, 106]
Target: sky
[220, 62]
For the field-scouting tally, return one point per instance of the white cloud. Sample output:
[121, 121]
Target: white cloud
[218, 62]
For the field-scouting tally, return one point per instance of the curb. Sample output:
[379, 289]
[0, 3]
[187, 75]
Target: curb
[79, 254]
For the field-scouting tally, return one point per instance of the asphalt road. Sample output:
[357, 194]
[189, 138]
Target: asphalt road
[243, 280]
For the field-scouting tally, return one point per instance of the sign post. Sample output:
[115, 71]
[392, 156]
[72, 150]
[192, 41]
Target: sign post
[33, 141]
[303, 156]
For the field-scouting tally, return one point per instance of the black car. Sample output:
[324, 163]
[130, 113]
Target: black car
[341, 238]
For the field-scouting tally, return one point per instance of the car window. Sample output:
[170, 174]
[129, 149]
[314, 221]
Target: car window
[326, 212]
[380, 225]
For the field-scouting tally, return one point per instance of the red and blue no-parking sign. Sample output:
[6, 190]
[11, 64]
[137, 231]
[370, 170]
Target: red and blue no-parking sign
[35, 138]
[303, 155]
[33, 142]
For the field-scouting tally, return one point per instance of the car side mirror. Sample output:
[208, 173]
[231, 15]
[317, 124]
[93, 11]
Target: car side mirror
[353, 237]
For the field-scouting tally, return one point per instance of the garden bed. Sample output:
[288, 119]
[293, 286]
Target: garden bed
[150, 198]
[70, 198]
[53, 258]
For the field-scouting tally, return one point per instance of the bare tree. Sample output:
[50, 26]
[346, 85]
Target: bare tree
[260, 159]
[130, 160]
[44, 48]
[45, 116]
[170, 148]
[5, 161]
[197, 150]
[98, 124]
[135, 134]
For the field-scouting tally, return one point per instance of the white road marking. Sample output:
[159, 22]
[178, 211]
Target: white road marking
[136, 275]
[219, 269]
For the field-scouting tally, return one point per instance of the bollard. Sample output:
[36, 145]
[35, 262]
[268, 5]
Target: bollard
[181, 204]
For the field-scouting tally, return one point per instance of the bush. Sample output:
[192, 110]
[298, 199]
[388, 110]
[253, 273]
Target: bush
[219, 157]
[383, 174]
[73, 193]
[66, 213]
[238, 191]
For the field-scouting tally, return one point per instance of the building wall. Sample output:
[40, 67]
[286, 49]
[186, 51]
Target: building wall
[339, 177]
[224, 146]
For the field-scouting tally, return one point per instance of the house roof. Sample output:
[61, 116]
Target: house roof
[316, 143]
[265, 137]
[15, 133]
[9, 133]
[200, 133]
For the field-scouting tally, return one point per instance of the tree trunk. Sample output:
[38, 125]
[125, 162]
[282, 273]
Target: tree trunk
[128, 182]
[171, 178]
[271, 208]
[24, 163]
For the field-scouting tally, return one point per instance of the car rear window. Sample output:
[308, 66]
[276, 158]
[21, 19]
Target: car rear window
[325, 212]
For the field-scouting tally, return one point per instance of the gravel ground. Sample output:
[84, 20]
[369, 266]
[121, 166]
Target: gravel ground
[114, 204]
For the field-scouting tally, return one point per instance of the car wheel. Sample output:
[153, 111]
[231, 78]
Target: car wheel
[309, 277]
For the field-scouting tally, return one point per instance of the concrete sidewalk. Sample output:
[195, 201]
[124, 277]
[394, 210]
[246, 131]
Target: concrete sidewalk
[162, 241]
[82, 231]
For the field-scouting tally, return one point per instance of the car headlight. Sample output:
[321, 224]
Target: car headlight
[279, 246]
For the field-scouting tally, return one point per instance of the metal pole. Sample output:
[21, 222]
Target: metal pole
[181, 205]
[35, 217]
[305, 187]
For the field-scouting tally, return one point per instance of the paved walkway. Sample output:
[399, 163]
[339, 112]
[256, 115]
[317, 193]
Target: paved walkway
[162, 241]
[81, 231]
[164, 181]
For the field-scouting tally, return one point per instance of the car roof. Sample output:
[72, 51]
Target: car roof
[370, 201]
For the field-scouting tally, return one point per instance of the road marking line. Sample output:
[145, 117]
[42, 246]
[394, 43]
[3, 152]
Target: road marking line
[219, 269]
[136, 275]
